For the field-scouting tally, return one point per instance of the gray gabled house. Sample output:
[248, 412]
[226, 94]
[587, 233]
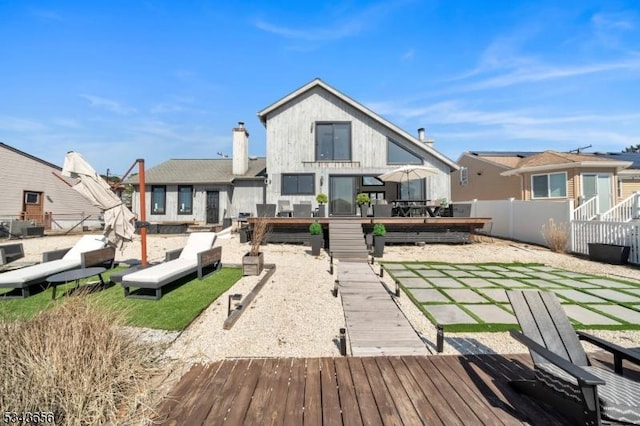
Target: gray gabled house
[204, 191]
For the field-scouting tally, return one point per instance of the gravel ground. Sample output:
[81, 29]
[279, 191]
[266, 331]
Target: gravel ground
[295, 314]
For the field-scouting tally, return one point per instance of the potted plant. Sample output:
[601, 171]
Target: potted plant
[363, 201]
[379, 231]
[253, 261]
[317, 238]
[322, 199]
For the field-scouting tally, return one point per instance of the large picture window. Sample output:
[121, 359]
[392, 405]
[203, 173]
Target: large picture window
[333, 141]
[158, 199]
[552, 185]
[185, 199]
[397, 154]
[298, 184]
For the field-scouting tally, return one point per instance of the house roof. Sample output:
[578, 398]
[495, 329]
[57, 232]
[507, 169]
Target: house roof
[553, 160]
[201, 171]
[262, 115]
[17, 151]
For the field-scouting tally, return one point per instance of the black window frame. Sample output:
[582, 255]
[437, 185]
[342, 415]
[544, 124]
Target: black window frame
[284, 176]
[164, 199]
[419, 159]
[190, 210]
[333, 124]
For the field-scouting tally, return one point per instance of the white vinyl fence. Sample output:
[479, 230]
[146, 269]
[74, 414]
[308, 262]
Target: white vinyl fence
[524, 220]
[620, 233]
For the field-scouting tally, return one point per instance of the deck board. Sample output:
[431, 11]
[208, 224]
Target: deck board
[405, 390]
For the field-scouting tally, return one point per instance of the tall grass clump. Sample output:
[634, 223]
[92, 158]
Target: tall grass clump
[74, 361]
[259, 233]
[556, 236]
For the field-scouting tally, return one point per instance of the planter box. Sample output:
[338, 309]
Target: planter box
[378, 245]
[317, 242]
[252, 265]
[609, 253]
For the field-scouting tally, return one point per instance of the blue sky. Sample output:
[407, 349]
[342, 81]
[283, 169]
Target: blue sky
[125, 79]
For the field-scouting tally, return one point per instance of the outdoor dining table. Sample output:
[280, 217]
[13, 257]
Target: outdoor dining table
[412, 208]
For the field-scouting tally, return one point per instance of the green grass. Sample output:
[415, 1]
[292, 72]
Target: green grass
[174, 311]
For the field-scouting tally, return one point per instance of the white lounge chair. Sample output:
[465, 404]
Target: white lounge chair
[197, 255]
[90, 250]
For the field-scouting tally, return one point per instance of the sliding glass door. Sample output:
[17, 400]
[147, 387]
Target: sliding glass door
[342, 195]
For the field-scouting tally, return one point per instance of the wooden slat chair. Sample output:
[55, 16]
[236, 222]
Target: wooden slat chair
[565, 377]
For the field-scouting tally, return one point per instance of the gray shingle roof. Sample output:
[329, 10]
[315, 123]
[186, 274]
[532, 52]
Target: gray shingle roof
[199, 171]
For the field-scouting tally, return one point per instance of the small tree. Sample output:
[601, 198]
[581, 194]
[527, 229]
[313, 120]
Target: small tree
[379, 229]
[315, 228]
[362, 198]
[556, 236]
[322, 198]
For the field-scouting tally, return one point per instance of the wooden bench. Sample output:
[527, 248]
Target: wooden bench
[11, 252]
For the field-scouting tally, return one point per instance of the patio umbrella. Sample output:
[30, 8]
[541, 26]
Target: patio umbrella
[118, 218]
[407, 173]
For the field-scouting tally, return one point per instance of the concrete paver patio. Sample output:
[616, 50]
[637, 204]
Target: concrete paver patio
[475, 294]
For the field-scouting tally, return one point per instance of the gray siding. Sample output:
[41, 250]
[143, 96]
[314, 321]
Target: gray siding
[291, 145]
[21, 173]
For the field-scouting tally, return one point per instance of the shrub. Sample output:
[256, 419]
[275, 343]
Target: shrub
[379, 229]
[74, 360]
[322, 198]
[315, 228]
[556, 236]
[362, 198]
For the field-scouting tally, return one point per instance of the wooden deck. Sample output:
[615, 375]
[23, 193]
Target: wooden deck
[375, 324]
[451, 390]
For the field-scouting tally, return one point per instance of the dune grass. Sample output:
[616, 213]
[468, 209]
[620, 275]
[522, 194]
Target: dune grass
[177, 308]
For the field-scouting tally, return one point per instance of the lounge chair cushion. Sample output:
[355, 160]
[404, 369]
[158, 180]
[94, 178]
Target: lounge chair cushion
[160, 273]
[25, 275]
[197, 242]
[619, 397]
[86, 243]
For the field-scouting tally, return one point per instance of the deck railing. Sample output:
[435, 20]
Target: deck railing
[620, 233]
[625, 211]
[587, 210]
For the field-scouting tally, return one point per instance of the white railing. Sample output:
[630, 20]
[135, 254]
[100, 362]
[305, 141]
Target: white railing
[587, 210]
[624, 211]
[621, 233]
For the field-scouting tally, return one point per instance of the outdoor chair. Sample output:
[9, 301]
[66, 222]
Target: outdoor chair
[197, 256]
[10, 253]
[90, 250]
[284, 208]
[266, 210]
[302, 210]
[382, 210]
[565, 377]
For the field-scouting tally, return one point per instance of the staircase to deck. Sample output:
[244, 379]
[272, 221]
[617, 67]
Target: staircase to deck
[346, 241]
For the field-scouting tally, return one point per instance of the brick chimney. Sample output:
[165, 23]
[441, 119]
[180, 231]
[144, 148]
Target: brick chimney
[240, 150]
[421, 138]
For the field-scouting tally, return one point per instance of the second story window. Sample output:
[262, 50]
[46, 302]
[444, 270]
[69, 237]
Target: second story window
[333, 141]
[397, 154]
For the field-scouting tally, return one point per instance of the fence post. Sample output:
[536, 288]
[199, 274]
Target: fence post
[510, 212]
[569, 216]
[635, 213]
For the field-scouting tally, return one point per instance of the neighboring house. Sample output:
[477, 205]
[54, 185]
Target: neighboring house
[30, 191]
[205, 191]
[543, 175]
[321, 141]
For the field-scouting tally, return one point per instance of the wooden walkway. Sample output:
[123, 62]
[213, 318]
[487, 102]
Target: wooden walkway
[375, 324]
[433, 390]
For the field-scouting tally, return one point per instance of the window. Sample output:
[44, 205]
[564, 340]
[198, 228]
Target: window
[158, 199]
[397, 154]
[32, 198]
[371, 181]
[552, 185]
[464, 176]
[333, 141]
[185, 199]
[298, 184]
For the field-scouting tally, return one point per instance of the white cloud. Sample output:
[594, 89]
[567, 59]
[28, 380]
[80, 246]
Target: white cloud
[109, 105]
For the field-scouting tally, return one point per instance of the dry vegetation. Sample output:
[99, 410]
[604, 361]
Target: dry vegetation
[260, 231]
[556, 236]
[73, 361]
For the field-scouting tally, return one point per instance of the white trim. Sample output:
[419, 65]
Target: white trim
[578, 164]
[566, 186]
